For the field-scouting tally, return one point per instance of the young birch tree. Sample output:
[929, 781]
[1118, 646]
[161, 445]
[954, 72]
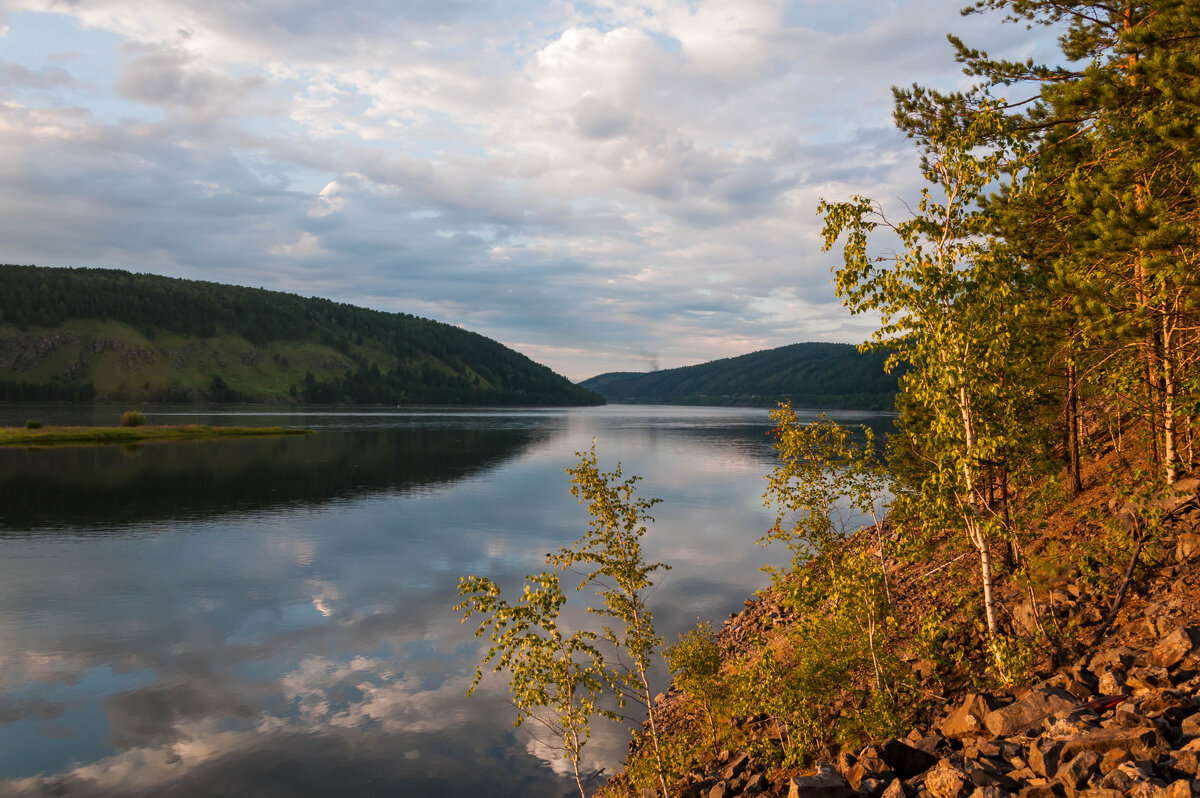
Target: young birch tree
[559, 679]
[949, 304]
[555, 679]
[611, 558]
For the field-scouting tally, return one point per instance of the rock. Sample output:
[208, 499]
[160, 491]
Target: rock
[1148, 678]
[1174, 648]
[1187, 547]
[872, 788]
[924, 670]
[1191, 725]
[947, 781]
[990, 792]
[929, 743]
[1025, 619]
[1124, 778]
[1142, 743]
[906, 760]
[1044, 756]
[985, 776]
[1131, 718]
[719, 790]
[1187, 762]
[894, 790]
[966, 720]
[870, 766]
[1076, 772]
[1038, 791]
[736, 766]
[1180, 789]
[1112, 682]
[1037, 704]
[1173, 705]
[1113, 758]
[758, 784]
[825, 783]
[1118, 657]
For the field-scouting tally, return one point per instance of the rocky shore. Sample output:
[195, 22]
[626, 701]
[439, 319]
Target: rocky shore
[1114, 712]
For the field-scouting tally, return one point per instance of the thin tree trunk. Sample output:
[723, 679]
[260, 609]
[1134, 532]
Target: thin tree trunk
[975, 533]
[1012, 553]
[970, 506]
[1170, 451]
[1071, 423]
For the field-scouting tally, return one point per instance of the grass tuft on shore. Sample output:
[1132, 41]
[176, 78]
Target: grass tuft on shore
[49, 436]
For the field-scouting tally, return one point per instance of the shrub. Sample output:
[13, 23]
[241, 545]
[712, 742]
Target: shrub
[133, 418]
[33, 424]
[695, 663]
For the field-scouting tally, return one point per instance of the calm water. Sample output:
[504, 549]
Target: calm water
[272, 617]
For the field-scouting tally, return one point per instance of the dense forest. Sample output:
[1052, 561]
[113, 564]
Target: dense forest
[1044, 290]
[807, 375]
[103, 334]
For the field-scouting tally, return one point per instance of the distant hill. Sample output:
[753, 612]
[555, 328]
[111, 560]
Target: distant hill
[810, 375]
[108, 335]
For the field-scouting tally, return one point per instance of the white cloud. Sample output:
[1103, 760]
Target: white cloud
[306, 246]
[506, 167]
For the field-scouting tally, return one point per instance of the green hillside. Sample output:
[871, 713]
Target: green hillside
[807, 375]
[108, 335]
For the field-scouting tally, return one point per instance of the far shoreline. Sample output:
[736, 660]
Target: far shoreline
[68, 435]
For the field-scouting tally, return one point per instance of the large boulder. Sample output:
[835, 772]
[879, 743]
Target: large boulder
[966, 720]
[904, 759]
[1175, 648]
[1142, 742]
[1037, 704]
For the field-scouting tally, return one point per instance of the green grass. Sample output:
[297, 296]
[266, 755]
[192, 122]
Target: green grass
[126, 366]
[46, 436]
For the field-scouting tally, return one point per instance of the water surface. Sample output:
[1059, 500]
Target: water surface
[271, 617]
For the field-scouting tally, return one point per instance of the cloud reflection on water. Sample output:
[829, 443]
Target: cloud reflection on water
[311, 650]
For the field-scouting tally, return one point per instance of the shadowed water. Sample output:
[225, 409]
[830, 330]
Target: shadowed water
[272, 617]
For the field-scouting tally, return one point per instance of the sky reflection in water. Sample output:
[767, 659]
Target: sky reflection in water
[272, 617]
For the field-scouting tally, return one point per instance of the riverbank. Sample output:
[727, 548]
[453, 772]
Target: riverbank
[1101, 613]
[70, 435]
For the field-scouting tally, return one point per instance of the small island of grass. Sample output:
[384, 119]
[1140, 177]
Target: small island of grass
[45, 436]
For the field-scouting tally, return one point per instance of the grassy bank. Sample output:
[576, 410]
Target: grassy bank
[46, 436]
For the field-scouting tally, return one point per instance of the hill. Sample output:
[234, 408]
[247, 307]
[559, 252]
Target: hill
[109, 335]
[808, 375]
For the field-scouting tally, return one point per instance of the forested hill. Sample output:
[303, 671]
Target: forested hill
[108, 335]
[807, 375]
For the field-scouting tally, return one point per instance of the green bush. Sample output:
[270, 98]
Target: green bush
[695, 663]
[33, 424]
[133, 418]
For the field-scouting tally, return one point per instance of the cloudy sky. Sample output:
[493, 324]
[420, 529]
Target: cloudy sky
[602, 185]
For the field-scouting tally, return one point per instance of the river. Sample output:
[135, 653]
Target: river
[272, 617]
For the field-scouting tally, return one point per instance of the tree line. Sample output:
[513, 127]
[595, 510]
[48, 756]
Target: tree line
[1047, 280]
[434, 362]
[823, 375]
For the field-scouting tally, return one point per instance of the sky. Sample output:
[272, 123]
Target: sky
[603, 186]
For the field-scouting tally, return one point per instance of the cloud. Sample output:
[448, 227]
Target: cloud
[507, 167]
[170, 78]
